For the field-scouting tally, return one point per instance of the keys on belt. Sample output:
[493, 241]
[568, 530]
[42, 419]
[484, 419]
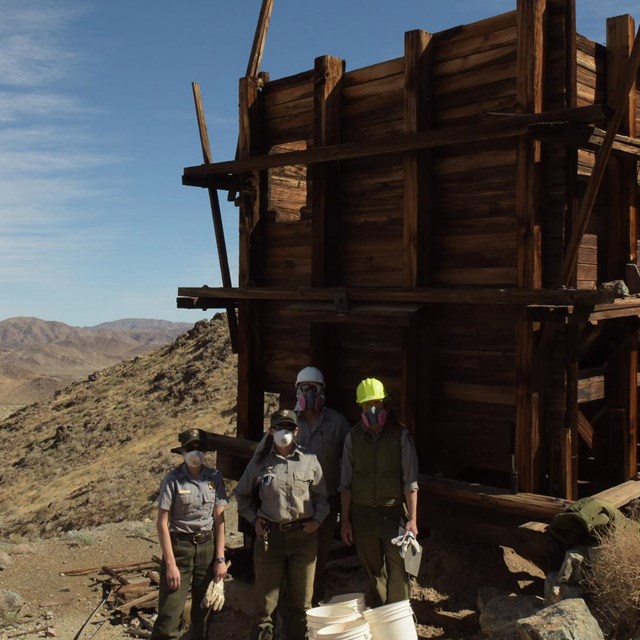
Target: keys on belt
[197, 538]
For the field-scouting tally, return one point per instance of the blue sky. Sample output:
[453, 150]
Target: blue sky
[97, 123]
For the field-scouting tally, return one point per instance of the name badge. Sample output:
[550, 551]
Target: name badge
[183, 491]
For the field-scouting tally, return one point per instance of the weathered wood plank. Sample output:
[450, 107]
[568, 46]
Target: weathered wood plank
[501, 127]
[417, 166]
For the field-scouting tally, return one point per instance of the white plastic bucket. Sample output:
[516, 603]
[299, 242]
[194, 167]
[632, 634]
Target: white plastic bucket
[353, 630]
[320, 617]
[353, 600]
[393, 621]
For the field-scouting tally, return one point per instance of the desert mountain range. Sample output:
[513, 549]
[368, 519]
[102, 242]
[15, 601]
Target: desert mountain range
[96, 450]
[39, 357]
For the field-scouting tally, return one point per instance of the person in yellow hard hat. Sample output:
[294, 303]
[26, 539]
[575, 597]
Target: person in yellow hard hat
[378, 486]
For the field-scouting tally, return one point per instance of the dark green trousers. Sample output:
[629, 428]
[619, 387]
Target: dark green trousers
[290, 559]
[373, 530]
[195, 564]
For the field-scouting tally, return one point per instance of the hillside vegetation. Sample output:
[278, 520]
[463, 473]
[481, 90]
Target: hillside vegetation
[97, 450]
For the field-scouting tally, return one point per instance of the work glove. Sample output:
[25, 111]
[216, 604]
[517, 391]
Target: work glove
[214, 596]
[410, 551]
[404, 541]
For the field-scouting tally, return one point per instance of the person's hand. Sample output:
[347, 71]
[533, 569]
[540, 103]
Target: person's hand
[260, 527]
[411, 527]
[173, 577]
[220, 570]
[346, 532]
[311, 526]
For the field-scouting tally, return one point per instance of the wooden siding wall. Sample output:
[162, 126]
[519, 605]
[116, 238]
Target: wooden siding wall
[474, 204]
[473, 242]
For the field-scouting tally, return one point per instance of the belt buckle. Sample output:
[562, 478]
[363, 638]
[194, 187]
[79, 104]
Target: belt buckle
[284, 526]
[200, 537]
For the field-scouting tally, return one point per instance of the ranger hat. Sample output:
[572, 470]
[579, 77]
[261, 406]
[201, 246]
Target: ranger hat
[284, 419]
[187, 437]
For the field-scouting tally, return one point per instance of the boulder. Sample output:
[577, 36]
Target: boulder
[500, 615]
[566, 620]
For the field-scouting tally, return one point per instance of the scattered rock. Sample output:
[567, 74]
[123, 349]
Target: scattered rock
[10, 600]
[567, 620]
[501, 614]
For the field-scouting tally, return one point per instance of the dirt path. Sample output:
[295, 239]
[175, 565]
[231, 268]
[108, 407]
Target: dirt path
[444, 602]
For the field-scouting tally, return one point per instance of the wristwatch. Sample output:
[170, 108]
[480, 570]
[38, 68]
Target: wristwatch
[220, 559]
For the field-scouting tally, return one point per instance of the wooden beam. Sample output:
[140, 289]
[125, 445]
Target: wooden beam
[215, 297]
[497, 127]
[417, 117]
[325, 196]
[250, 197]
[255, 61]
[216, 215]
[621, 176]
[529, 92]
[569, 434]
[586, 136]
[259, 39]
[250, 372]
[597, 174]
[585, 430]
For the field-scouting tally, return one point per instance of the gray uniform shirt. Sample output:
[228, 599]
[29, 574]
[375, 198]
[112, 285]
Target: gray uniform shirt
[326, 440]
[408, 461]
[190, 501]
[289, 488]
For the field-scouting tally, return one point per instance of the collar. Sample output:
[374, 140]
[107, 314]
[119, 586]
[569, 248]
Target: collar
[183, 472]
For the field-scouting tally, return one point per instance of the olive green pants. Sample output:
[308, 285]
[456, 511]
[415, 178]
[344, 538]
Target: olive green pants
[194, 562]
[373, 530]
[289, 559]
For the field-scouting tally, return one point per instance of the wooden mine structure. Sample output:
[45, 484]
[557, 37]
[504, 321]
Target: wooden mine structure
[443, 221]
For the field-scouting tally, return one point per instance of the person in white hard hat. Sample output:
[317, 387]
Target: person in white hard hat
[321, 431]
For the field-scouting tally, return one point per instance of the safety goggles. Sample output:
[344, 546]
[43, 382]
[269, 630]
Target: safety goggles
[193, 446]
[309, 386]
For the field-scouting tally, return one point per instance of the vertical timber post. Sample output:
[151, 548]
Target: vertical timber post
[530, 54]
[250, 386]
[621, 393]
[416, 346]
[325, 202]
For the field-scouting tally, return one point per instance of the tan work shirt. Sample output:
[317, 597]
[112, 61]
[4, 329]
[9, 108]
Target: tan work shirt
[190, 501]
[326, 440]
[290, 488]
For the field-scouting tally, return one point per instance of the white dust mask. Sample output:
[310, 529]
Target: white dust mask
[194, 458]
[283, 437]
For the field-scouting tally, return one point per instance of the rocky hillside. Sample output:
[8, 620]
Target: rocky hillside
[97, 450]
[38, 357]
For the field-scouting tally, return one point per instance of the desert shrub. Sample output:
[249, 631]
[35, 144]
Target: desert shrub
[613, 577]
[80, 538]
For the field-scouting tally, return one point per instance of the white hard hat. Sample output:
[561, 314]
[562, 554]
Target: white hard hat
[310, 374]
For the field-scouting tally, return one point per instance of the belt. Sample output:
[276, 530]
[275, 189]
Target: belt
[197, 538]
[294, 525]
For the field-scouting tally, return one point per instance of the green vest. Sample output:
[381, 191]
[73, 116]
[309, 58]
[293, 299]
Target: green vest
[377, 467]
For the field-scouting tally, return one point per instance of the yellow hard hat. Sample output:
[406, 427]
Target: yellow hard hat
[370, 389]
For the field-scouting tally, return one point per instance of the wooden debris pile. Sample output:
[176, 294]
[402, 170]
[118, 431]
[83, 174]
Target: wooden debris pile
[130, 594]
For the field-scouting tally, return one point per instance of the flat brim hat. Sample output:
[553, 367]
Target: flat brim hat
[187, 437]
[284, 419]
